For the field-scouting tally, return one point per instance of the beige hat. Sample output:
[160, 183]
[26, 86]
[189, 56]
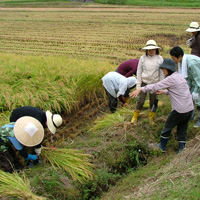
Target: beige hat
[53, 121]
[28, 131]
[151, 44]
[194, 27]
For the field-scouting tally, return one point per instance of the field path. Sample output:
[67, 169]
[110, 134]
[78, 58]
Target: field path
[110, 8]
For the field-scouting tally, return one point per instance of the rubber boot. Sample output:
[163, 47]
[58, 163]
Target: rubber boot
[163, 143]
[151, 117]
[134, 119]
[181, 146]
[126, 100]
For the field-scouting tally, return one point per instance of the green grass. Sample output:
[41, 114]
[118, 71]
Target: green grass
[172, 3]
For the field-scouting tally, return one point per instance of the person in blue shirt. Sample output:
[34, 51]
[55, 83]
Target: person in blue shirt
[25, 132]
[189, 67]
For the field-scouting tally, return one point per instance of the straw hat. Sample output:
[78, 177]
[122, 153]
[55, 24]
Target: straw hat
[151, 44]
[28, 131]
[53, 121]
[194, 27]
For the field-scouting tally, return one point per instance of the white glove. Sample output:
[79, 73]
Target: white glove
[195, 96]
[38, 151]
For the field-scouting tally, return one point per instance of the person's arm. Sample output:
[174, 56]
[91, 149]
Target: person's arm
[139, 74]
[198, 43]
[165, 83]
[121, 98]
[130, 73]
[194, 81]
[21, 150]
[122, 86]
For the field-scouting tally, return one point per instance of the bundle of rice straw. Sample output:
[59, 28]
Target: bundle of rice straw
[12, 185]
[72, 161]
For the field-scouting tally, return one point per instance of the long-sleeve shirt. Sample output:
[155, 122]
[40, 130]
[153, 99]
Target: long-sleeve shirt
[128, 68]
[191, 64]
[195, 46]
[117, 84]
[176, 86]
[34, 112]
[6, 135]
[148, 70]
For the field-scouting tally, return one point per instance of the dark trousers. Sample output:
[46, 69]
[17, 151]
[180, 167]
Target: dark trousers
[142, 96]
[112, 102]
[181, 121]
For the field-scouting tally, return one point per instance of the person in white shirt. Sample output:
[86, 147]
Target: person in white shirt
[148, 72]
[117, 86]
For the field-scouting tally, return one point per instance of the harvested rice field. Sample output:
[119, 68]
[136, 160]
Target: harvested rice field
[115, 33]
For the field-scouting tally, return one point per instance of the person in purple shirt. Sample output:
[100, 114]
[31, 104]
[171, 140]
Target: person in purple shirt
[128, 68]
[181, 101]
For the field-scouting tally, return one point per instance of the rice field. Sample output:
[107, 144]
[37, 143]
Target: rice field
[114, 34]
[54, 58]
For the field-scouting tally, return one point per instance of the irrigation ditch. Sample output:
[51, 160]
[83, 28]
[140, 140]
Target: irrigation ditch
[115, 152]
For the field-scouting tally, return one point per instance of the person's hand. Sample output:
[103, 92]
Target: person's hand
[31, 157]
[195, 96]
[160, 92]
[135, 93]
[126, 105]
[38, 151]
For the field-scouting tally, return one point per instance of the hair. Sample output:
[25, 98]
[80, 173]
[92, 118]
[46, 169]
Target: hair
[157, 52]
[170, 72]
[177, 52]
[197, 34]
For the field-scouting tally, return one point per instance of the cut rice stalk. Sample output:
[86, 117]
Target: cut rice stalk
[72, 161]
[12, 185]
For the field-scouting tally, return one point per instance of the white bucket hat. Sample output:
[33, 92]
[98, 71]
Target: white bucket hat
[194, 27]
[28, 131]
[53, 121]
[151, 44]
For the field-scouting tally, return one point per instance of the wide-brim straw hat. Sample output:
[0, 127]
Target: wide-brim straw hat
[194, 27]
[53, 121]
[151, 44]
[28, 131]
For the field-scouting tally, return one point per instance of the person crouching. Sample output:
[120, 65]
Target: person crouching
[117, 86]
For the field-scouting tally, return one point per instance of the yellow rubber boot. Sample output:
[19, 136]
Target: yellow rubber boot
[151, 117]
[127, 100]
[134, 119]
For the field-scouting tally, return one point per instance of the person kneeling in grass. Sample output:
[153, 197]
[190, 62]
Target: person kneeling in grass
[25, 132]
[117, 86]
[176, 86]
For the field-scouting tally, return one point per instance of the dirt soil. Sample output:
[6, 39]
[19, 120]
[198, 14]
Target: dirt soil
[76, 123]
[110, 8]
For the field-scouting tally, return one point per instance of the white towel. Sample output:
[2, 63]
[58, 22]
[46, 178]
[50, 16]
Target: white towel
[182, 67]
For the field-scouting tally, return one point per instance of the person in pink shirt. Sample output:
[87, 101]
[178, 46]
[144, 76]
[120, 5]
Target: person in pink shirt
[177, 88]
[128, 67]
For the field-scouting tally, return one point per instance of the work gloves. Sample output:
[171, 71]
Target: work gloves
[38, 151]
[31, 157]
[195, 96]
